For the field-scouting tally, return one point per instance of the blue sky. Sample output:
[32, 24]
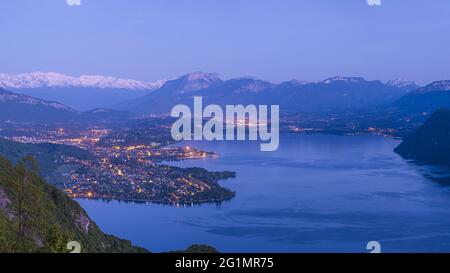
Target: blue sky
[271, 39]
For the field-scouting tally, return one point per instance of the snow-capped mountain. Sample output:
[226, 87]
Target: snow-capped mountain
[52, 79]
[436, 86]
[337, 93]
[82, 93]
[296, 82]
[244, 85]
[343, 80]
[191, 82]
[427, 99]
[404, 85]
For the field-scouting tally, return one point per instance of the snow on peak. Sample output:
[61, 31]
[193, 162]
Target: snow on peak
[198, 75]
[400, 83]
[111, 82]
[194, 81]
[437, 86]
[52, 79]
[251, 84]
[33, 80]
[344, 79]
[202, 79]
[296, 82]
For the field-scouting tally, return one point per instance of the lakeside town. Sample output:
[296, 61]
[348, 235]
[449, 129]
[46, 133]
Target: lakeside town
[118, 170]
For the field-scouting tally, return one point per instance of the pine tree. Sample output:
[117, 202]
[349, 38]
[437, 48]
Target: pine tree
[30, 203]
[56, 240]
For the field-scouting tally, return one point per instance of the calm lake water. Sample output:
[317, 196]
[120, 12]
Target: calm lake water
[317, 193]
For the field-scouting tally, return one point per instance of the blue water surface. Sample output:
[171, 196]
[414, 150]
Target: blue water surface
[317, 193]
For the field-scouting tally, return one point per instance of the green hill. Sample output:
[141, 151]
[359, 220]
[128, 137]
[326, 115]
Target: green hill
[37, 217]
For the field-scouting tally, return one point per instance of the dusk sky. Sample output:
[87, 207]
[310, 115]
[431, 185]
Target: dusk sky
[270, 39]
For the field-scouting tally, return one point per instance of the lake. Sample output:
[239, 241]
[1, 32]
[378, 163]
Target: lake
[317, 193]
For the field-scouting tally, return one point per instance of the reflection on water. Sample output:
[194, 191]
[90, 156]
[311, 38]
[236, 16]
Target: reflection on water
[316, 193]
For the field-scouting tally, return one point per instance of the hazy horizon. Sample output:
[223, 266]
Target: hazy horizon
[75, 76]
[272, 40]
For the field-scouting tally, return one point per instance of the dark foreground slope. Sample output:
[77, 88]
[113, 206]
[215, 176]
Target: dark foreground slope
[431, 142]
[37, 217]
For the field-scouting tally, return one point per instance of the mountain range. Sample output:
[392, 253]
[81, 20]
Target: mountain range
[94, 91]
[427, 99]
[82, 93]
[333, 94]
[52, 79]
[22, 108]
